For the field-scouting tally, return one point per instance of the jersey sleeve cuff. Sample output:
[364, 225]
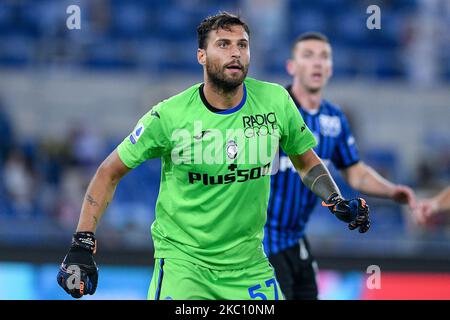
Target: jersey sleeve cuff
[302, 150]
[121, 153]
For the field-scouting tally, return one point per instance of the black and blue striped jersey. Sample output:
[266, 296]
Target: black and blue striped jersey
[291, 202]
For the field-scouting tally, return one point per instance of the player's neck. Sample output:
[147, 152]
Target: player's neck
[309, 101]
[221, 99]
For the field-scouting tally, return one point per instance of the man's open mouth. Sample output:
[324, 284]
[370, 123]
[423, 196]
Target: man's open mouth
[234, 67]
[317, 75]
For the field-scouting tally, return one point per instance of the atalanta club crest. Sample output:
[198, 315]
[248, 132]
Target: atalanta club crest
[232, 149]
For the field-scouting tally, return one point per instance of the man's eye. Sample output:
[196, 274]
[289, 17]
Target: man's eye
[243, 45]
[222, 45]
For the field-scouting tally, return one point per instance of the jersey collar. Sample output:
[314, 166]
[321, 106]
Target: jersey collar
[221, 111]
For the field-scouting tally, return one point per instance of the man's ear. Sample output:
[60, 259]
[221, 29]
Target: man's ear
[201, 56]
[290, 67]
[331, 70]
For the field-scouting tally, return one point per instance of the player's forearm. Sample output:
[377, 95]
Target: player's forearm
[443, 200]
[319, 181]
[101, 191]
[315, 175]
[366, 180]
[97, 198]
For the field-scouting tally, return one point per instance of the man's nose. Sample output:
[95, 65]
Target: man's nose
[318, 63]
[235, 52]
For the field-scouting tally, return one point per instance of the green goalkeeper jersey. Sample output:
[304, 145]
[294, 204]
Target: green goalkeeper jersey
[216, 167]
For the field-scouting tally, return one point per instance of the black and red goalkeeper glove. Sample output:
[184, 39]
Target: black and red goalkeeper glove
[78, 273]
[355, 211]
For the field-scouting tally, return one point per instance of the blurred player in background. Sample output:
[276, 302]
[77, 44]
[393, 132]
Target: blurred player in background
[210, 217]
[426, 209]
[291, 202]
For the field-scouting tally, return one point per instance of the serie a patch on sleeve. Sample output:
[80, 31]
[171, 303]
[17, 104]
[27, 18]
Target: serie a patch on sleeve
[137, 133]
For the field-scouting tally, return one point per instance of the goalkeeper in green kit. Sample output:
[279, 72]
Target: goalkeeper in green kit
[218, 141]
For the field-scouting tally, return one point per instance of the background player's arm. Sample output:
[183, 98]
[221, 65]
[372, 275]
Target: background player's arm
[443, 200]
[365, 179]
[101, 191]
[427, 208]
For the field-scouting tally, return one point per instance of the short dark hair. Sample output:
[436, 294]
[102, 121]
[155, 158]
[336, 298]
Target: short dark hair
[222, 20]
[312, 35]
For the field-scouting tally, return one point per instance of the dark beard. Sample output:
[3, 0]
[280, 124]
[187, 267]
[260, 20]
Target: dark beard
[221, 82]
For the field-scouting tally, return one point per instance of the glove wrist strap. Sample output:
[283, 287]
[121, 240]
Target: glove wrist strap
[332, 200]
[84, 240]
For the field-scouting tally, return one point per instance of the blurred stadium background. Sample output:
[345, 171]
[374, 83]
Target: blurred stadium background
[68, 97]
